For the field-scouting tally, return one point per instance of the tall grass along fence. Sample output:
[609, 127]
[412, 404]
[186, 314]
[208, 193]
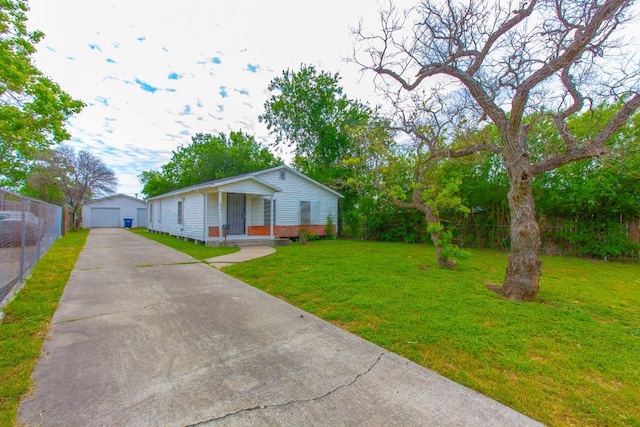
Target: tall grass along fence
[28, 228]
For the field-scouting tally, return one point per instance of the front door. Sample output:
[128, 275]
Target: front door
[236, 213]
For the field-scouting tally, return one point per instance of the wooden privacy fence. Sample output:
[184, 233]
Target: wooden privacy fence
[559, 236]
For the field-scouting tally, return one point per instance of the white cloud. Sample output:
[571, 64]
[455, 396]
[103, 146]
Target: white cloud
[154, 73]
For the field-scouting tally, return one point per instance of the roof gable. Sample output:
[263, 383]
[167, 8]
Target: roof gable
[113, 197]
[301, 175]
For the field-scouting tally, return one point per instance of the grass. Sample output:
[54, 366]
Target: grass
[572, 358]
[25, 327]
[198, 251]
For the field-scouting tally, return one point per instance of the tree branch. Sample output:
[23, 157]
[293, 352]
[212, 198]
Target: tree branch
[583, 37]
[520, 16]
[596, 146]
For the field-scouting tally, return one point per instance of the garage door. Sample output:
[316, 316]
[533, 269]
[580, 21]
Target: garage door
[105, 217]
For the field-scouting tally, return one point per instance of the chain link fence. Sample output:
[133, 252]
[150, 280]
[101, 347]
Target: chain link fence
[28, 228]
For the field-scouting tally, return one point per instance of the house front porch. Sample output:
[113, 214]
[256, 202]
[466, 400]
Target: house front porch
[248, 239]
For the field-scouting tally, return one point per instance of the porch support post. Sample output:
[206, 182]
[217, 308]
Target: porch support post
[205, 232]
[219, 216]
[271, 219]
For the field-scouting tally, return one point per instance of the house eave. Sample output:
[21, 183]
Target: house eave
[114, 196]
[219, 185]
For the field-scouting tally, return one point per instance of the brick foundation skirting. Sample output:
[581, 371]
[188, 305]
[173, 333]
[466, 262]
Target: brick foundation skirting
[278, 230]
[287, 230]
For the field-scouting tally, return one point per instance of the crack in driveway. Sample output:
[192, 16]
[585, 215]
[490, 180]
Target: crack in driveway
[131, 310]
[275, 405]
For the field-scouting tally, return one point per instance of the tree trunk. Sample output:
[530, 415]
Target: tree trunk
[436, 238]
[74, 217]
[433, 225]
[523, 269]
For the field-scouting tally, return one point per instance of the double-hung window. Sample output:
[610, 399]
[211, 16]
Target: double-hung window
[180, 211]
[305, 212]
[267, 212]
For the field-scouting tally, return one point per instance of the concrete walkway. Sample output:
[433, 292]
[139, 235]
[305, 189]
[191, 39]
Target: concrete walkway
[245, 253]
[147, 336]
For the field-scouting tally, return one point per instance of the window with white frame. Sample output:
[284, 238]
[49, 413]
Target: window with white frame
[310, 212]
[180, 211]
[267, 212]
[305, 212]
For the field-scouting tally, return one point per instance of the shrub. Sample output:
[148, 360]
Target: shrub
[303, 235]
[329, 228]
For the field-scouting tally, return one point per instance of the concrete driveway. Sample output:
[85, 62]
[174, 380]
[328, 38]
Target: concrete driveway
[147, 336]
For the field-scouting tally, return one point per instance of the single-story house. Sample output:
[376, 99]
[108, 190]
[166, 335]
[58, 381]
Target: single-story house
[264, 205]
[111, 211]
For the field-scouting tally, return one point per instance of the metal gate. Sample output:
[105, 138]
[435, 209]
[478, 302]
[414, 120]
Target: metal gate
[236, 213]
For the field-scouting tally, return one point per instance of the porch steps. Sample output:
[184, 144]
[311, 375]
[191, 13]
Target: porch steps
[249, 242]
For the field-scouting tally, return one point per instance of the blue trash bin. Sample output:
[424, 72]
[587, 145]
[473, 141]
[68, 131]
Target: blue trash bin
[128, 222]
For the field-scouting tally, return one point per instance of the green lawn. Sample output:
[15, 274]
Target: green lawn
[572, 358]
[198, 251]
[27, 320]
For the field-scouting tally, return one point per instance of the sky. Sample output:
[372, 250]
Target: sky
[153, 73]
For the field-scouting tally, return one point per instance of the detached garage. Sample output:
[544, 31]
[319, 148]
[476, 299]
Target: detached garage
[111, 211]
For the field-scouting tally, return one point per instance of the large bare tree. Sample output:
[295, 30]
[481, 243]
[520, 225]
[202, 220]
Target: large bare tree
[75, 177]
[503, 61]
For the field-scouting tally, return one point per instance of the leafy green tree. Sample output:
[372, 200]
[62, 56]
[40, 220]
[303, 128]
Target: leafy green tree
[33, 108]
[587, 199]
[484, 190]
[310, 114]
[208, 158]
[412, 179]
[593, 196]
[391, 223]
[499, 63]
[44, 179]
[592, 199]
[155, 182]
[360, 176]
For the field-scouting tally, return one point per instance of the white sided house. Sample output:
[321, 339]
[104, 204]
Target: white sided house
[111, 211]
[266, 205]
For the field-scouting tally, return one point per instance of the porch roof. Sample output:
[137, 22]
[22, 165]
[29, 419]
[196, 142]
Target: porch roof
[225, 184]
